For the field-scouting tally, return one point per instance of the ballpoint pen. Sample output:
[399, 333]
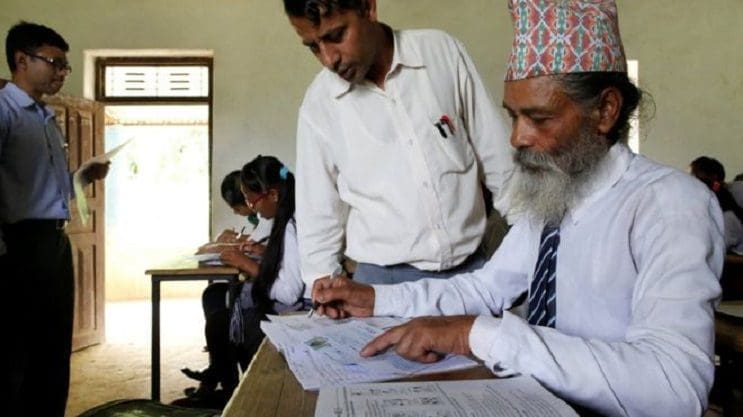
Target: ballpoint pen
[336, 273]
[239, 235]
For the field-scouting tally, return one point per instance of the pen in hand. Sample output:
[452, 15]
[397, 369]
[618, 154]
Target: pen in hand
[315, 305]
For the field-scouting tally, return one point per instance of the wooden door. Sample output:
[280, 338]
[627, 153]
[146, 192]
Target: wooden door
[82, 123]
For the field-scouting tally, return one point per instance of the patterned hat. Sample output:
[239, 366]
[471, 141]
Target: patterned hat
[564, 36]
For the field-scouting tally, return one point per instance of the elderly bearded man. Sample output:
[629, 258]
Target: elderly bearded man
[619, 256]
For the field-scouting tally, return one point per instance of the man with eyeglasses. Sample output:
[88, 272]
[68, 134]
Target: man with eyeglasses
[36, 271]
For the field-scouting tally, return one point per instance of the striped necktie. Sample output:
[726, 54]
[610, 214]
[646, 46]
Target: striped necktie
[543, 294]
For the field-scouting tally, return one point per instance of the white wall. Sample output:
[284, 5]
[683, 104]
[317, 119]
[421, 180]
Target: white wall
[689, 53]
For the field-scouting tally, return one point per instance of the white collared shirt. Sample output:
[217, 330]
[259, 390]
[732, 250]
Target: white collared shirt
[637, 279]
[377, 177]
[289, 287]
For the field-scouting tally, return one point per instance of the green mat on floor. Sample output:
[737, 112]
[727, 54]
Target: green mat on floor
[146, 408]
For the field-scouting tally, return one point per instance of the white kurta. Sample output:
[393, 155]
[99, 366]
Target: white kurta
[377, 177]
[637, 278]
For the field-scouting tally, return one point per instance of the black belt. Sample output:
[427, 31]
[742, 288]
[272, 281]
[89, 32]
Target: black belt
[37, 224]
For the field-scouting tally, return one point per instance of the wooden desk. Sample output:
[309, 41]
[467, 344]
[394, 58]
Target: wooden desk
[269, 389]
[182, 271]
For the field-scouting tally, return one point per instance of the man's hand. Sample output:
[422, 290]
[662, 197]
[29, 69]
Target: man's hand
[227, 236]
[96, 171]
[425, 339]
[341, 297]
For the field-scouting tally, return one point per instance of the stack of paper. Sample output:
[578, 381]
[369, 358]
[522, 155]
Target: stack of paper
[323, 352]
[513, 397]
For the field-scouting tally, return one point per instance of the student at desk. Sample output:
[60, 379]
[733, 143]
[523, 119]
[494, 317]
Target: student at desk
[619, 256]
[223, 356]
[261, 227]
[711, 172]
[275, 283]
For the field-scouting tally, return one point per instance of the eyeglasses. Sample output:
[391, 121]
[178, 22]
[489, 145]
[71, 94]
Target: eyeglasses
[59, 64]
[251, 203]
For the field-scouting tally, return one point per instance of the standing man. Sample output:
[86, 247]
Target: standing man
[36, 276]
[619, 256]
[395, 136]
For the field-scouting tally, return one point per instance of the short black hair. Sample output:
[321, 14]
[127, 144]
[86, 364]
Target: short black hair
[28, 37]
[586, 87]
[708, 170]
[231, 192]
[314, 10]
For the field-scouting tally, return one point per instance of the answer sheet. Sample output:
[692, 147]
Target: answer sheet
[323, 352]
[512, 397]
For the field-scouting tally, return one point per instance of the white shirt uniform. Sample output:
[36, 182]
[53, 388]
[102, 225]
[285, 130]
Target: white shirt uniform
[637, 279]
[376, 176]
[289, 287]
[262, 230]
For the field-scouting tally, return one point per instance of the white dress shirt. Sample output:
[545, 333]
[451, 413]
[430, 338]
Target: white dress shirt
[637, 279]
[289, 287]
[376, 176]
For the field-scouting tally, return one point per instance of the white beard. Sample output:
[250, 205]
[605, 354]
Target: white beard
[549, 185]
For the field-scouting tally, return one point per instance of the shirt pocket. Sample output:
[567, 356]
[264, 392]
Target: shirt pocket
[451, 145]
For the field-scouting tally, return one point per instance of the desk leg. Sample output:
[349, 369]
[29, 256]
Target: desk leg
[155, 363]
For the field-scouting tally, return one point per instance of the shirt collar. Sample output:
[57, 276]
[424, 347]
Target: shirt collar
[23, 100]
[608, 173]
[404, 55]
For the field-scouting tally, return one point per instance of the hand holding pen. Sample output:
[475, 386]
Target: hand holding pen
[337, 297]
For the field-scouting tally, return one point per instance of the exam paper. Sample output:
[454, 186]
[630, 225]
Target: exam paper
[513, 397]
[77, 180]
[323, 352]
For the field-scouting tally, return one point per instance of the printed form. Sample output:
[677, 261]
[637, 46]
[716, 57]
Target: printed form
[323, 352]
[512, 397]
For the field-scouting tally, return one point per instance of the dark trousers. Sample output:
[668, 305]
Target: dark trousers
[224, 356]
[37, 290]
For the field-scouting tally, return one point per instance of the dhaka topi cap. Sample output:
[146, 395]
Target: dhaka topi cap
[564, 36]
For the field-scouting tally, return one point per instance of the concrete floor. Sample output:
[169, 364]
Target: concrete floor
[120, 367]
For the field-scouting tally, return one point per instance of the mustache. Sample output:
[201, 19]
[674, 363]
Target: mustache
[533, 161]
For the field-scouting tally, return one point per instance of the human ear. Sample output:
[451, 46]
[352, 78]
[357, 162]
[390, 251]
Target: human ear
[610, 105]
[371, 10]
[19, 58]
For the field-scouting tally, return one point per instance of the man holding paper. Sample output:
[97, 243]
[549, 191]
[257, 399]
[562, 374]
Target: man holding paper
[36, 271]
[617, 257]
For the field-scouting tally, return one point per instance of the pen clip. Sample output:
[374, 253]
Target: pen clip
[442, 132]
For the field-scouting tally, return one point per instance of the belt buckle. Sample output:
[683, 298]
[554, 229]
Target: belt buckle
[60, 224]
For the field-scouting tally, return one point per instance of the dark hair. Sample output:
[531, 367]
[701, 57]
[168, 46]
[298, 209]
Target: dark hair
[708, 170]
[28, 37]
[586, 88]
[231, 193]
[711, 172]
[314, 10]
[260, 175]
